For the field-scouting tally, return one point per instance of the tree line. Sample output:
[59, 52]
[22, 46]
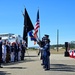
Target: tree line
[70, 44]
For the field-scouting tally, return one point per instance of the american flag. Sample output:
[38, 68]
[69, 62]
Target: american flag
[37, 25]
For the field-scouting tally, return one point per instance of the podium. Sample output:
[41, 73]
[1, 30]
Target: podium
[66, 54]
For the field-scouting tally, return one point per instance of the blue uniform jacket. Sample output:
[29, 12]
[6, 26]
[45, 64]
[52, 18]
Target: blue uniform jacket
[46, 49]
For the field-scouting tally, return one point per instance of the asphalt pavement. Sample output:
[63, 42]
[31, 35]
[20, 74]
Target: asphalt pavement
[59, 65]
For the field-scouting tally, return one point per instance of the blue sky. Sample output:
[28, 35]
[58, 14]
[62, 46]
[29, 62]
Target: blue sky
[54, 14]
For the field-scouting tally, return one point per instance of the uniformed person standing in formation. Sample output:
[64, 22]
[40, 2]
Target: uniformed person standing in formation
[0, 52]
[4, 52]
[11, 52]
[45, 52]
[23, 46]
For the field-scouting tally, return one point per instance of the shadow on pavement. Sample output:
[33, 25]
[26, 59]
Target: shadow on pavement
[31, 56]
[22, 61]
[4, 73]
[14, 67]
[62, 67]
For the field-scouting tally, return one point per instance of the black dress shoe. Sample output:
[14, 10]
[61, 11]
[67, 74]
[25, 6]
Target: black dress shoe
[1, 67]
[47, 69]
[42, 64]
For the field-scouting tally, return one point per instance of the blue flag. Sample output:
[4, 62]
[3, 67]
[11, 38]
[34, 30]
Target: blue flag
[31, 36]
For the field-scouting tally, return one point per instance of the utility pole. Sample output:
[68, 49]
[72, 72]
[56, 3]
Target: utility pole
[57, 40]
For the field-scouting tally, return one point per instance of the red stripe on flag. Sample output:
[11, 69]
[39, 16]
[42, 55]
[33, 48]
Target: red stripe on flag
[36, 25]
